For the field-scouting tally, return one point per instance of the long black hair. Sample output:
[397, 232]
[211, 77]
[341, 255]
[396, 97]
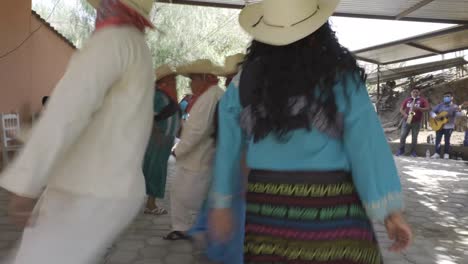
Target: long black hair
[308, 68]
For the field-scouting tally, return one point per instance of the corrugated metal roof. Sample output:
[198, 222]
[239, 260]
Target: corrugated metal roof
[405, 72]
[438, 42]
[444, 11]
[49, 26]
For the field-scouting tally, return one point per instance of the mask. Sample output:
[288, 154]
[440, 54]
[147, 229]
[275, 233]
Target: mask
[447, 100]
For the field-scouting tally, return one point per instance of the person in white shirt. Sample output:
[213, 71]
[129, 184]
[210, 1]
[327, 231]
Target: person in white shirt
[195, 151]
[83, 159]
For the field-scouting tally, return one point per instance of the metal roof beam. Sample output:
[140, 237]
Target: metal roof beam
[368, 60]
[340, 14]
[426, 48]
[413, 9]
[405, 72]
[416, 38]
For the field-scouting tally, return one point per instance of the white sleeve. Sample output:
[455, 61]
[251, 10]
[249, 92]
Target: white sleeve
[79, 94]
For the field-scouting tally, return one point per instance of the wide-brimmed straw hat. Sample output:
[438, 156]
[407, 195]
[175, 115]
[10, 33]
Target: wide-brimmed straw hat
[231, 64]
[164, 71]
[201, 66]
[282, 22]
[143, 7]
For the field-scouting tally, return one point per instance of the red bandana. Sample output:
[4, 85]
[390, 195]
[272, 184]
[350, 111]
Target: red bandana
[113, 12]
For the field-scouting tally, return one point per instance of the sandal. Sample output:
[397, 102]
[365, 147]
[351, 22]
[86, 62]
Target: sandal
[176, 235]
[155, 211]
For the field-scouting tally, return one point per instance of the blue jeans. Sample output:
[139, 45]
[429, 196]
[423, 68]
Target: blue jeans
[405, 130]
[465, 142]
[446, 133]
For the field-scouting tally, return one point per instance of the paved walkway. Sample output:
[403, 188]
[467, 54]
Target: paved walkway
[437, 208]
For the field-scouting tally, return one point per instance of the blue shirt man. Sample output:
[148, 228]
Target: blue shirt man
[453, 111]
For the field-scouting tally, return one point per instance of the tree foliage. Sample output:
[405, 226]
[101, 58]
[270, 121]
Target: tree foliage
[183, 33]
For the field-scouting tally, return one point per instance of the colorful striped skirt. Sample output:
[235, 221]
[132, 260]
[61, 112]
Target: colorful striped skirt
[307, 217]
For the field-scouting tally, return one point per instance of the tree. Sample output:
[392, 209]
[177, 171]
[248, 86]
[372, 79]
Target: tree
[74, 21]
[183, 33]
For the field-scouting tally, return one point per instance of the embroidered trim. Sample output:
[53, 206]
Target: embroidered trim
[302, 190]
[361, 252]
[380, 209]
[302, 213]
[221, 200]
[290, 233]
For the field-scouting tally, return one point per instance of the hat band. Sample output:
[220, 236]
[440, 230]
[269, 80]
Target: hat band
[262, 19]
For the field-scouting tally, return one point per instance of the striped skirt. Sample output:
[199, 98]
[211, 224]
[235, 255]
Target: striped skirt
[307, 217]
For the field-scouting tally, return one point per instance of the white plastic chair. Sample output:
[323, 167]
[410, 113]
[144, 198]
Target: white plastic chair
[10, 125]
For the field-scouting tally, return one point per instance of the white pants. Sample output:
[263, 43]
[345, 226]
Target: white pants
[74, 229]
[188, 192]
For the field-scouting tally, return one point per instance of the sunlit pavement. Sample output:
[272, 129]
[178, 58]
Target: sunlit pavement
[436, 207]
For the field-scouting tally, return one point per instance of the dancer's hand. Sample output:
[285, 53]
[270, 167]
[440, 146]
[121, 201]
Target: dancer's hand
[20, 209]
[221, 224]
[399, 231]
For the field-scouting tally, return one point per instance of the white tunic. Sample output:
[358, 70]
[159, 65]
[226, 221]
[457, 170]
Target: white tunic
[92, 137]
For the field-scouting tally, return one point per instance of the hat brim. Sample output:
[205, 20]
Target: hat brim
[227, 73]
[187, 71]
[95, 4]
[162, 76]
[139, 11]
[276, 36]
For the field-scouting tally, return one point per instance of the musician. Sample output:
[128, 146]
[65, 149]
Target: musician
[412, 110]
[453, 111]
[464, 112]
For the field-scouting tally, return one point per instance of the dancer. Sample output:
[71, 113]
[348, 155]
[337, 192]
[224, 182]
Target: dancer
[301, 107]
[229, 252]
[167, 121]
[83, 160]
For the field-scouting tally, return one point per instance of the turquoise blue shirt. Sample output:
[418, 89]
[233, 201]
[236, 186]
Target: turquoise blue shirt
[363, 150]
[183, 106]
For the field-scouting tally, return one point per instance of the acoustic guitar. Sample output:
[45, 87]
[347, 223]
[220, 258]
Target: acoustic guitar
[438, 122]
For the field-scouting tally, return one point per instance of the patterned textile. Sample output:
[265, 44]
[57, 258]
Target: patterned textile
[113, 12]
[369, 161]
[307, 217]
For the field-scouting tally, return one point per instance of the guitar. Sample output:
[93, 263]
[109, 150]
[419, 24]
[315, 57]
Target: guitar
[438, 122]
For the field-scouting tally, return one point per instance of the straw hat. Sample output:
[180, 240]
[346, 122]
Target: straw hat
[143, 7]
[164, 71]
[201, 66]
[231, 64]
[280, 22]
